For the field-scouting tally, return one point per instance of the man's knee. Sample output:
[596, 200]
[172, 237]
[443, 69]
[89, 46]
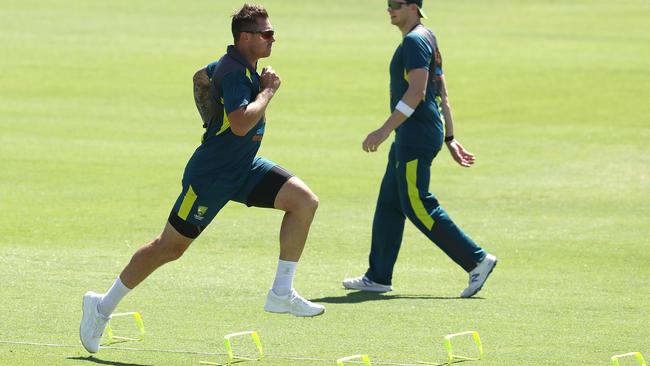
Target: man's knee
[305, 202]
[168, 249]
[175, 252]
[312, 202]
[296, 196]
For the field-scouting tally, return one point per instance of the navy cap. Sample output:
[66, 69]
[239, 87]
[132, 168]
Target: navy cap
[419, 4]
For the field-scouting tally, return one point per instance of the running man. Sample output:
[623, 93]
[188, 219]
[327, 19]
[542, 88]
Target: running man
[418, 97]
[232, 98]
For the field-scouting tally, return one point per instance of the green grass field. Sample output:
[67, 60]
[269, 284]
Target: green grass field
[97, 121]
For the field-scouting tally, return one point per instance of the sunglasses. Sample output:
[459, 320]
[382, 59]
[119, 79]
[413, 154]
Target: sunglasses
[395, 5]
[264, 34]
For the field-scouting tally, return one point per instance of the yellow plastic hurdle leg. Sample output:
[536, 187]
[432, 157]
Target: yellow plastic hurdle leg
[138, 321]
[637, 355]
[256, 340]
[450, 352]
[364, 358]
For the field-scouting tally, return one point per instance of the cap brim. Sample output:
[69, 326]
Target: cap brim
[422, 14]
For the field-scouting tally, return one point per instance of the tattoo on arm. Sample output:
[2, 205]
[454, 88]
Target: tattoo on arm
[204, 103]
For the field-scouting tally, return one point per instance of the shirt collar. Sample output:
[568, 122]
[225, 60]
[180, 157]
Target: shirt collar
[237, 56]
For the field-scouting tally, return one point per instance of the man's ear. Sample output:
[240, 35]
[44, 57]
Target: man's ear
[242, 37]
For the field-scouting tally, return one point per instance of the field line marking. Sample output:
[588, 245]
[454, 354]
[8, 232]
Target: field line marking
[316, 359]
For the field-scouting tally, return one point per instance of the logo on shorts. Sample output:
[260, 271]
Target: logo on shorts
[200, 211]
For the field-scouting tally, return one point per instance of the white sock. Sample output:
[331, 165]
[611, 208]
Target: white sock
[283, 282]
[111, 298]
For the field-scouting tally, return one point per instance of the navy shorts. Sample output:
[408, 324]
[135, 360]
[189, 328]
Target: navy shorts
[201, 200]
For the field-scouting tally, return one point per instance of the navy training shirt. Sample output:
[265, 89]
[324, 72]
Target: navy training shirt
[234, 83]
[418, 50]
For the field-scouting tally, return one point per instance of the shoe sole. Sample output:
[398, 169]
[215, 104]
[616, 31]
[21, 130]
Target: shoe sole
[368, 289]
[289, 312]
[484, 281]
[309, 315]
[83, 316]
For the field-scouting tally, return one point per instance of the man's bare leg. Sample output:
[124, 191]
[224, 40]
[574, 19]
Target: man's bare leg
[299, 204]
[167, 247]
[97, 308]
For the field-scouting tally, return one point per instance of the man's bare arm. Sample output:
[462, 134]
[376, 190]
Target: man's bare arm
[445, 105]
[457, 151]
[204, 103]
[414, 95]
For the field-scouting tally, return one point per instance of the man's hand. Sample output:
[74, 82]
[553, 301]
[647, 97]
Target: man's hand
[458, 152]
[374, 139]
[269, 79]
[246, 117]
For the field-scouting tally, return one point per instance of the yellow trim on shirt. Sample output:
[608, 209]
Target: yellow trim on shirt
[226, 123]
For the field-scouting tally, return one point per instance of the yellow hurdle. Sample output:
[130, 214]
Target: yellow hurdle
[364, 358]
[231, 354]
[138, 321]
[636, 355]
[450, 352]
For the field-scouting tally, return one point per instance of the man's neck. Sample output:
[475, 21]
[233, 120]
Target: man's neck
[252, 60]
[408, 26]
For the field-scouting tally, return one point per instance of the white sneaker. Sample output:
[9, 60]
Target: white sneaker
[363, 283]
[92, 322]
[292, 303]
[479, 275]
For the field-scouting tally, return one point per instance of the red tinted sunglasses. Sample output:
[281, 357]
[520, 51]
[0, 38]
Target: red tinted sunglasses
[265, 34]
[395, 5]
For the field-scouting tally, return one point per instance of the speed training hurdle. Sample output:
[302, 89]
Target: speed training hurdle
[450, 352]
[636, 355]
[364, 358]
[138, 321]
[231, 354]
[256, 340]
[451, 357]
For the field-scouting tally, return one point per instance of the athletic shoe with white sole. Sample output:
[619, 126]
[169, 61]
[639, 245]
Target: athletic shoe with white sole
[363, 283]
[292, 303]
[92, 322]
[479, 275]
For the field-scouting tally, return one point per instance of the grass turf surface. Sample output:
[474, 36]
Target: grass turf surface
[97, 122]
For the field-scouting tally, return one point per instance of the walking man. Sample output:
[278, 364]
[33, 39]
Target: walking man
[419, 105]
[232, 98]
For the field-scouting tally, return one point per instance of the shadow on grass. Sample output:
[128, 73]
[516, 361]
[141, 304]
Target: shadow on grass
[104, 362]
[354, 297]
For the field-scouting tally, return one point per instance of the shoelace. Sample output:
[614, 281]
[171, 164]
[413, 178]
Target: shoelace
[300, 299]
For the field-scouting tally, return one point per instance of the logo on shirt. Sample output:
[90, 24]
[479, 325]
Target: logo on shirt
[200, 211]
[259, 134]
